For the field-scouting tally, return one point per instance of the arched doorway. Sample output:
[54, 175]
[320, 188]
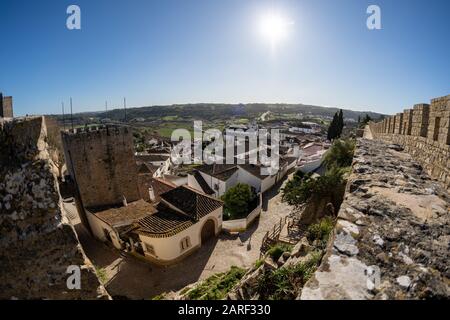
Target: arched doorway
[208, 231]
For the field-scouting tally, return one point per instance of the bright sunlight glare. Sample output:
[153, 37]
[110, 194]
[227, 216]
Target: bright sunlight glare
[274, 27]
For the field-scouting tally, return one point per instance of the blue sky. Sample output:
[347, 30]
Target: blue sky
[183, 51]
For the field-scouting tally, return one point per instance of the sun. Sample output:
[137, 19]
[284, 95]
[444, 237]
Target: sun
[274, 27]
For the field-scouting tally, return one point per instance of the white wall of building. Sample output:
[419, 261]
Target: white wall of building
[242, 224]
[192, 182]
[98, 226]
[247, 178]
[268, 182]
[219, 186]
[169, 249]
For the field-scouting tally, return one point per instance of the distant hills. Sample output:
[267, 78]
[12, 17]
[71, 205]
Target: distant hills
[209, 111]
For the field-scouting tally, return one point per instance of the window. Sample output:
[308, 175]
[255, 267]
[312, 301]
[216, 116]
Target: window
[149, 248]
[185, 243]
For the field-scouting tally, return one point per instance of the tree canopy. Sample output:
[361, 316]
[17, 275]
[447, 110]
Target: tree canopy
[340, 154]
[237, 201]
[299, 191]
[303, 186]
[336, 126]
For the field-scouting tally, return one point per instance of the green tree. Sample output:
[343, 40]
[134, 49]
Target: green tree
[340, 123]
[302, 187]
[333, 128]
[336, 126]
[366, 119]
[340, 154]
[298, 191]
[237, 200]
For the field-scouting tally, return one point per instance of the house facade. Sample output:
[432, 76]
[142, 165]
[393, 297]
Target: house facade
[106, 224]
[217, 179]
[184, 220]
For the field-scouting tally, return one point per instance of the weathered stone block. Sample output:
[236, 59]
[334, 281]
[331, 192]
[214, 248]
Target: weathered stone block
[398, 123]
[439, 128]
[37, 244]
[420, 120]
[103, 165]
[407, 122]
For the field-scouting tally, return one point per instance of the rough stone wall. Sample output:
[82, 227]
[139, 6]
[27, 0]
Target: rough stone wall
[429, 138]
[101, 162]
[407, 122]
[392, 232]
[398, 123]
[421, 113]
[438, 127]
[6, 108]
[37, 242]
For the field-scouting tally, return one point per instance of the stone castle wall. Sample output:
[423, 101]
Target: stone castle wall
[101, 162]
[391, 234]
[424, 132]
[37, 243]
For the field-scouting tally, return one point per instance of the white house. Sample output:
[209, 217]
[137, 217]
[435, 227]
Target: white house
[107, 223]
[214, 179]
[312, 156]
[185, 219]
[153, 159]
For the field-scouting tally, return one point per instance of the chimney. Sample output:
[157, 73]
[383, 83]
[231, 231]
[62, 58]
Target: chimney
[151, 193]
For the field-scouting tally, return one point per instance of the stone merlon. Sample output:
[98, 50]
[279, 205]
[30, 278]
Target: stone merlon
[424, 132]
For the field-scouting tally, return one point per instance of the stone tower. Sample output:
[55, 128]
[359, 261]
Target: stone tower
[101, 163]
[6, 107]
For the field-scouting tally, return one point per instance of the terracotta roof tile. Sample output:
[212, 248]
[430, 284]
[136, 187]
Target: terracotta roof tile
[191, 202]
[203, 184]
[115, 216]
[220, 171]
[167, 221]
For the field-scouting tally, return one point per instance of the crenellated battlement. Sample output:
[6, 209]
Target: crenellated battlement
[424, 132]
[101, 161]
[95, 131]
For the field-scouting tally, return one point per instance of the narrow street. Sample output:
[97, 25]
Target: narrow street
[131, 278]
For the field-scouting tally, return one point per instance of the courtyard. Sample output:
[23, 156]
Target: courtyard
[125, 276]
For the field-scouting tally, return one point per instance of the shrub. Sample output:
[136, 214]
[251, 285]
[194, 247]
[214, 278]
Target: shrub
[340, 154]
[277, 250]
[306, 270]
[101, 274]
[281, 284]
[217, 286]
[259, 263]
[299, 191]
[161, 296]
[321, 230]
[237, 201]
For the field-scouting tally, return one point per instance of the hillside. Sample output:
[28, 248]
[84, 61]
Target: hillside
[206, 111]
